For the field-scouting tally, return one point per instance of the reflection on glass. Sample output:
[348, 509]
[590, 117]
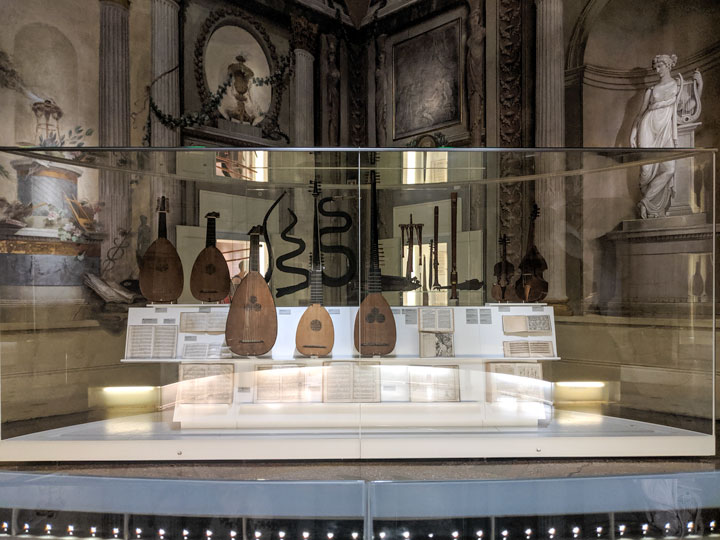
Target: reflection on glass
[245, 165]
[425, 167]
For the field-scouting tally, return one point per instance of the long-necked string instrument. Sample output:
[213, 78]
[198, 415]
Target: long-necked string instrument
[161, 272]
[251, 328]
[210, 277]
[530, 286]
[375, 332]
[315, 334]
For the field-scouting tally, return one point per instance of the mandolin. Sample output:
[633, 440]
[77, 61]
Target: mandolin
[161, 273]
[375, 332]
[503, 271]
[530, 286]
[315, 333]
[210, 277]
[251, 328]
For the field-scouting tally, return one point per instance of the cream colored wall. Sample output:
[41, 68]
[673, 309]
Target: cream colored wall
[51, 354]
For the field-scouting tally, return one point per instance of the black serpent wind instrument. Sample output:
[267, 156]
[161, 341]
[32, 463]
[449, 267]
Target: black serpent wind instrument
[349, 254]
[300, 243]
[266, 236]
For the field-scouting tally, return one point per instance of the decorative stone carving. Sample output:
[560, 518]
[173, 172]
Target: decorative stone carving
[689, 105]
[510, 120]
[380, 91]
[332, 82]
[475, 68]
[304, 34]
[357, 63]
[656, 127]
[234, 16]
[241, 76]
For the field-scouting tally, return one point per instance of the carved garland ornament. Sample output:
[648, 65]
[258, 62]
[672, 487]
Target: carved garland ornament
[234, 16]
[304, 34]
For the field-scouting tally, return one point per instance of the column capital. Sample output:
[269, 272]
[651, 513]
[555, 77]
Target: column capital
[304, 34]
[122, 3]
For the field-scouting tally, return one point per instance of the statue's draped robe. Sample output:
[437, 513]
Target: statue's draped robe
[658, 129]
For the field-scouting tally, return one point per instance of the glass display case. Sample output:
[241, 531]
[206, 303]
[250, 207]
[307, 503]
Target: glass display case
[356, 303]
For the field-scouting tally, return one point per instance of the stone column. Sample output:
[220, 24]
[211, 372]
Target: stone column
[550, 132]
[304, 37]
[165, 49]
[117, 254]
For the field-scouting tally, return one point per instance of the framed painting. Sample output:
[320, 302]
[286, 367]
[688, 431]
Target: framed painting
[427, 79]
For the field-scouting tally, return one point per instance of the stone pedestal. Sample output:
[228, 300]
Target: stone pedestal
[660, 267]
[46, 186]
[683, 201]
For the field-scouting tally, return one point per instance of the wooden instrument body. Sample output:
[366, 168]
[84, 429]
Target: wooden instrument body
[251, 328]
[375, 333]
[161, 272]
[210, 277]
[161, 275]
[315, 335]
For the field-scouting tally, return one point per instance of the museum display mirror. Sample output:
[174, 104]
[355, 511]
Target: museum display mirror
[312, 304]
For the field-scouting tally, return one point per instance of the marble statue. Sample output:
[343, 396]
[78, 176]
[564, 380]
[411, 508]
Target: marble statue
[241, 76]
[475, 62]
[656, 127]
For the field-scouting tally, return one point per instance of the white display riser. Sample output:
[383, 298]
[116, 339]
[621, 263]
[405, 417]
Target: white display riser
[366, 417]
[478, 332]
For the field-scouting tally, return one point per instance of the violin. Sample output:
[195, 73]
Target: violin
[503, 271]
[530, 286]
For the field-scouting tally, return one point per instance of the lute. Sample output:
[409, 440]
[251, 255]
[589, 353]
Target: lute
[161, 273]
[251, 328]
[315, 333]
[210, 277]
[375, 333]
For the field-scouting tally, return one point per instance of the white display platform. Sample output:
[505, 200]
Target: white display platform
[478, 340]
[153, 437]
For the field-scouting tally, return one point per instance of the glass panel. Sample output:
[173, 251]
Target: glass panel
[507, 329]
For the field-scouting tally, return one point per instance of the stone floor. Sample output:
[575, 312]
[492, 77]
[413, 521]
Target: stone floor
[428, 470]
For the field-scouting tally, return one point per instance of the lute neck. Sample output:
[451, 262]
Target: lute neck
[162, 225]
[210, 237]
[254, 252]
[316, 270]
[374, 283]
